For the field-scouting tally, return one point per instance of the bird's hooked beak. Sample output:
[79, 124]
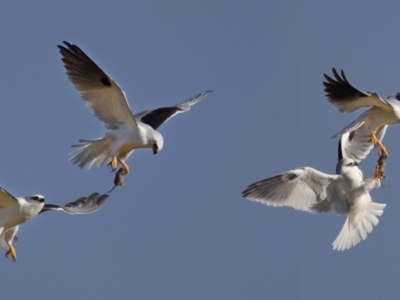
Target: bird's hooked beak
[155, 148]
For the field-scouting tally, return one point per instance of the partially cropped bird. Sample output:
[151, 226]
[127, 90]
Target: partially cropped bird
[310, 190]
[108, 102]
[17, 210]
[368, 129]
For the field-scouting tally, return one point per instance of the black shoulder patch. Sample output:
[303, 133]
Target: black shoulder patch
[158, 116]
[291, 176]
[105, 81]
[340, 154]
[351, 135]
[398, 96]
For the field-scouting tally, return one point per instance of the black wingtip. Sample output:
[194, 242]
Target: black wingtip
[62, 47]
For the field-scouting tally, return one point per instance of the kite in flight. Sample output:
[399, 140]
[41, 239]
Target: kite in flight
[17, 210]
[310, 190]
[368, 129]
[108, 102]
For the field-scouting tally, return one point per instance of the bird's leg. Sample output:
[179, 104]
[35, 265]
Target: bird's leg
[113, 163]
[12, 251]
[382, 149]
[124, 166]
[374, 140]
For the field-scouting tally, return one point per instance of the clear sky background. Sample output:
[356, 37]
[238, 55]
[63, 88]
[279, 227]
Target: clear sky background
[179, 229]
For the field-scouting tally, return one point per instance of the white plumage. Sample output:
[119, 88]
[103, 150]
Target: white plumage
[17, 210]
[368, 129]
[107, 101]
[313, 191]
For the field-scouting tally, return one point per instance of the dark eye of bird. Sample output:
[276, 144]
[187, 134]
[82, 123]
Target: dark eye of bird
[36, 198]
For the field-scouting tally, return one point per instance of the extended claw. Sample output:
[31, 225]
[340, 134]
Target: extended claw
[126, 168]
[374, 140]
[113, 163]
[12, 251]
[382, 149]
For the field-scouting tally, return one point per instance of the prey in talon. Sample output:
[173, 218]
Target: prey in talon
[369, 128]
[382, 149]
[107, 101]
[118, 179]
[380, 168]
[114, 164]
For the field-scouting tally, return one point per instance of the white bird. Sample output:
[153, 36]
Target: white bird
[18, 210]
[310, 190]
[368, 129]
[107, 101]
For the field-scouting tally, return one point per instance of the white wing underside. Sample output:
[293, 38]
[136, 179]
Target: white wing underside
[105, 99]
[310, 190]
[304, 189]
[347, 98]
[357, 144]
[7, 200]
[351, 104]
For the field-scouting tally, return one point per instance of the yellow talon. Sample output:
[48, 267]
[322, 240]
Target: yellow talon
[124, 166]
[382, 149]
[11, 251]
[113, 164]
[374, 140]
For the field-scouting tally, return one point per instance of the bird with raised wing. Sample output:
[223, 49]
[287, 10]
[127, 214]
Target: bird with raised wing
[313, 191]
[368, 129]
[17, 210]
[108, 102]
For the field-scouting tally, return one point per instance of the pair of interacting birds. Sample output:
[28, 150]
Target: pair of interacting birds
[348, 192]
[126, 132]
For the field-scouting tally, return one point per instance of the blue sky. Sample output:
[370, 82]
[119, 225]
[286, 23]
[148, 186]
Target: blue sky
[179, 229]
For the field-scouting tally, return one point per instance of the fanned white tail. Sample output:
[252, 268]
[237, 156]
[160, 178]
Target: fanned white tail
[358, 228]
[91, 152]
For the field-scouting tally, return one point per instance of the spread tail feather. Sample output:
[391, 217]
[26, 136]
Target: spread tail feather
[91, 152]
[364, 222]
